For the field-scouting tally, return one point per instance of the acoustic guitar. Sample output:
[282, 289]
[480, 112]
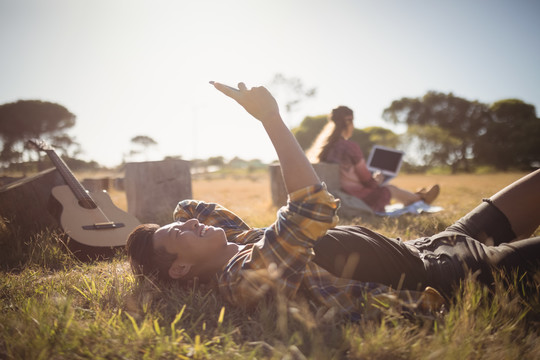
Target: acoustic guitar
[89, 219]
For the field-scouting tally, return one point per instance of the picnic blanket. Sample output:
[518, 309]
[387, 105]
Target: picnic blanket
[417, 208]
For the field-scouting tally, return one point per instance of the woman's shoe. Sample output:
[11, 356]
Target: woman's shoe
[428, 196]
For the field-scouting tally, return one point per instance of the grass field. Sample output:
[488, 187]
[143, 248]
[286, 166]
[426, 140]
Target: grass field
[55, 307]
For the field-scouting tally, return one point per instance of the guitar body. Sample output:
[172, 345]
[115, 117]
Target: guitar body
[95, 225]
[104, 226]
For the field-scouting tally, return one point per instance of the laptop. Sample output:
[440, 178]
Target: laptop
[386, 160]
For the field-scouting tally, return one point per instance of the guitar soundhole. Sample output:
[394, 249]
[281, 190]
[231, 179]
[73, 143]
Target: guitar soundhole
[87, 204]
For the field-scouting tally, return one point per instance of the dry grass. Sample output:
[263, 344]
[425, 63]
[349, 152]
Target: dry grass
[459, 193]
[247, 196]
[250, 197]
[55, 307]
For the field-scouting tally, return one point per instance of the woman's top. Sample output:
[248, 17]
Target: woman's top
[355, 177]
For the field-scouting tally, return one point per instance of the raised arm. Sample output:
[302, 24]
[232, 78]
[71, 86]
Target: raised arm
[297, 170]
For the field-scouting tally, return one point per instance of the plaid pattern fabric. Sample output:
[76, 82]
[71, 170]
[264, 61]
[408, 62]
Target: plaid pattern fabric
[278, 258]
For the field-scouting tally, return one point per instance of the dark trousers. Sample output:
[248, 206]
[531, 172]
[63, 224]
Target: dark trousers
[440, 261]
[452, 254]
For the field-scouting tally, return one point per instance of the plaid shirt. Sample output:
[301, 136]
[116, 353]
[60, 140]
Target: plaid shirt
[279, 257]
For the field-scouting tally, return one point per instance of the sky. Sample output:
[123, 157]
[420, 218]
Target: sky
[133, 67]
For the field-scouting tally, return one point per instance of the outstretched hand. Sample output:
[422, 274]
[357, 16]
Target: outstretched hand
[297, 171]
[257, 101]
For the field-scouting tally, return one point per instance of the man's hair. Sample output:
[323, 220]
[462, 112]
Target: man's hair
[144, 259]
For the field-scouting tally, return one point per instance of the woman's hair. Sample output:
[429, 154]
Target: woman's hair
[144, 259]
[329, 134]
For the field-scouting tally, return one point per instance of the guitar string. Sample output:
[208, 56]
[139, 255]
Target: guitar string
[76, 186]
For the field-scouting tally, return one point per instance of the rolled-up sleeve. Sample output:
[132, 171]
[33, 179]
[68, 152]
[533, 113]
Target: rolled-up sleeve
[214, 214]
[278, 260]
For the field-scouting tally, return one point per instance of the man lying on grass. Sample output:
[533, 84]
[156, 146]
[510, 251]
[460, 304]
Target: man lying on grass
[345, 268]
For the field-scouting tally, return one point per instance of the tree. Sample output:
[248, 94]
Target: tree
[218, 161]
[291, 89]
[512, 136]
[26, 119]
[142, 141]
[375, 135]
[455, 117]
[309, 128]
[435, 148]
[64, 143]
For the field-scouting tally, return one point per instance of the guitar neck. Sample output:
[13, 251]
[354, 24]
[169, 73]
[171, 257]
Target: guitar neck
[76, 187]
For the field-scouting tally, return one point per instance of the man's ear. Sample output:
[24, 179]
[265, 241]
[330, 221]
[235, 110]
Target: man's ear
[178, 270]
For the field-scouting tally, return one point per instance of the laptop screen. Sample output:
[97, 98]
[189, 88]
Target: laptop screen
[384, 159]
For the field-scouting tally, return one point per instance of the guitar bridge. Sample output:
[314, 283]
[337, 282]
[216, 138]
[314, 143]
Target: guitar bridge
[103, 226]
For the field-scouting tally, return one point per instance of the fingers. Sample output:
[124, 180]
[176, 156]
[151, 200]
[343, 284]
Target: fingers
[257, 101]
[227, 90]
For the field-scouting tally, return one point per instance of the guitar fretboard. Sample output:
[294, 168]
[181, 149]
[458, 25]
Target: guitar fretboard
[84, 199]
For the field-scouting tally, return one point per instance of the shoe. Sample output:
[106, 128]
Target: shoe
[432, 301]
[428, 196]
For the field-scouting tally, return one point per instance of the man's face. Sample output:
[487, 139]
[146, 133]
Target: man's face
[191, 241]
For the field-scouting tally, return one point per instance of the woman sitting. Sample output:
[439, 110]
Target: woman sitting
[333, 145]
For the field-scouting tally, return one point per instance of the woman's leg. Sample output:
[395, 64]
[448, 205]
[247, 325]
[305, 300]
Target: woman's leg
[520, 203]
[406, 197]
[403, 196]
